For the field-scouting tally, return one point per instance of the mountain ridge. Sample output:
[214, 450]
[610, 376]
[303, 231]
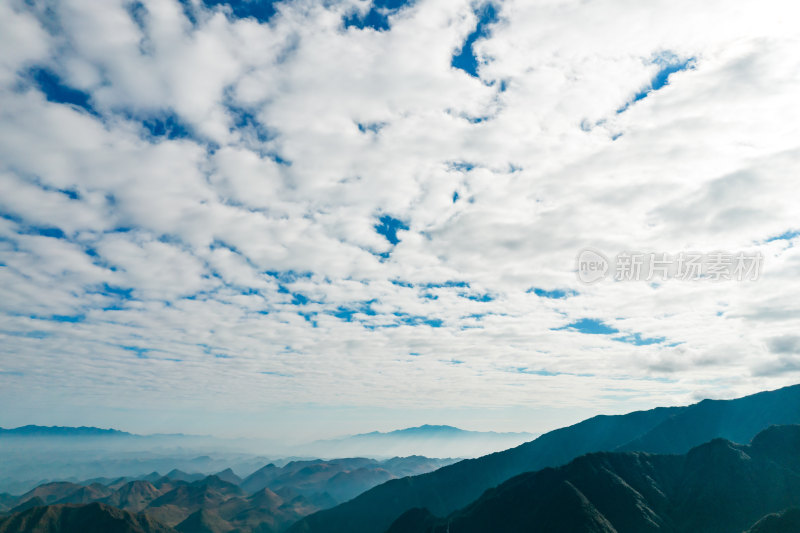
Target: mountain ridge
[432, 429]
[62, 431]
[453, 487]
[90, 518]
[716, 487]
[222, 502]
[428, 440]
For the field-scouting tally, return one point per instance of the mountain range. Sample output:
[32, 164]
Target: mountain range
[660, 430]
[427, 440]
[717, 487]
[714, 466]
[61, 431]
[92, 518]
[268, 500]
[33, 455]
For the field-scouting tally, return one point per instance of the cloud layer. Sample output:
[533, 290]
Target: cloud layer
[244, 209]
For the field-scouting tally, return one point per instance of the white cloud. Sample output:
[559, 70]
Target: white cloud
[240, 263]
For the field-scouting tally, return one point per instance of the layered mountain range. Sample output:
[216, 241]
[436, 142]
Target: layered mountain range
[33, 455]
[715, 466]
[717, 487]
[660, 430]
[428, 440]
[268, 500]
[91, 518]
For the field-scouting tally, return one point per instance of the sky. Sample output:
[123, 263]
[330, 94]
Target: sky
[303, 219]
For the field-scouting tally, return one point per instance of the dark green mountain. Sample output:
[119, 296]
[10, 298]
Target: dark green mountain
[415, 519]
[718, 487]
[675, 429]
[737, 420]
[787, 521]
[91, 518]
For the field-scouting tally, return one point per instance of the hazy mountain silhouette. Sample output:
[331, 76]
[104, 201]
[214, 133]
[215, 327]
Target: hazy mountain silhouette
[31, 455]
[91, 518]
[260, 478]
[61, 431]
[443, 491]
[427, 440]
[197, 503]
[180, 475]
[339, 479]
[717, 487]
[229, 476]
[275, 497]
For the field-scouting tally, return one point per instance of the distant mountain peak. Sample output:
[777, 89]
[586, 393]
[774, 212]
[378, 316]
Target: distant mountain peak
[428, 440]
[229, 476]
[433, 429]
[430, 428]
[62, 431]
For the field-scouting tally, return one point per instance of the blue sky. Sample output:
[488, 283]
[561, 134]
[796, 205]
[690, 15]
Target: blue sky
[312, 218]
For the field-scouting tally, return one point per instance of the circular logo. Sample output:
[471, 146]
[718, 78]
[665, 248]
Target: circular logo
[591, 266]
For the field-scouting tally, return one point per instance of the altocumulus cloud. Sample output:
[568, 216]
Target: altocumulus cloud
[294, 200]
